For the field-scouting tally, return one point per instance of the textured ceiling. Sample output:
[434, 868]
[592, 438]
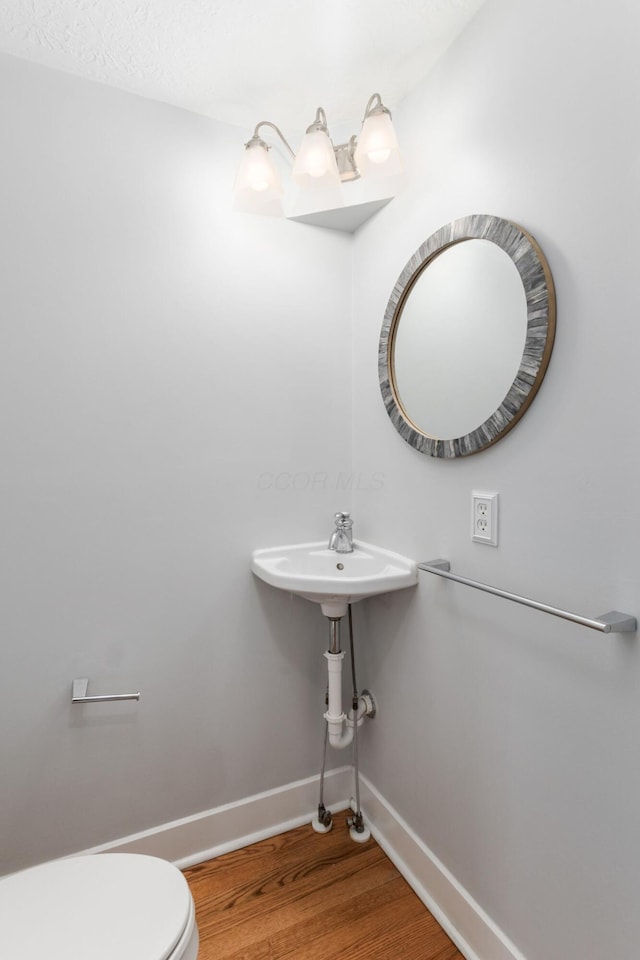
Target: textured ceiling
[242, 60]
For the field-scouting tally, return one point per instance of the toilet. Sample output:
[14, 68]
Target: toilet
[108, 906]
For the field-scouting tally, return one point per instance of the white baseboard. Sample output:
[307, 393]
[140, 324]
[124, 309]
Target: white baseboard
[234, 825]
[215, 832]
[471, 929]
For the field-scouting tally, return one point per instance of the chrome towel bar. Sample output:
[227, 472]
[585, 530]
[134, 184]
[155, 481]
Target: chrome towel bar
[79, 693]
[612, 622]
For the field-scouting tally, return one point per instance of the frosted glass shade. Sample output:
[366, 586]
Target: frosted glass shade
[315, 167]
[257, 188]
[377, 153]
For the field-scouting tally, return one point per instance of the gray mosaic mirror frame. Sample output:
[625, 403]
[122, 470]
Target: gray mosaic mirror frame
[541, 323]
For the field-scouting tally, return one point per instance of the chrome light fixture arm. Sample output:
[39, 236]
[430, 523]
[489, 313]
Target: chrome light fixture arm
[320, 123]
[375, 107]
[256, 139]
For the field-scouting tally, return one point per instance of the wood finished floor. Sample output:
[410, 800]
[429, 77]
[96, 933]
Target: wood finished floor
[309, 896]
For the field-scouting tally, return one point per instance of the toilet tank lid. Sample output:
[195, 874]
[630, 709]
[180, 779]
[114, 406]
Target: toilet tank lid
[99, 906]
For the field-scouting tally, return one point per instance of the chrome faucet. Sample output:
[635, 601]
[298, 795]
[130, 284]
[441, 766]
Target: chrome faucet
[341, 540]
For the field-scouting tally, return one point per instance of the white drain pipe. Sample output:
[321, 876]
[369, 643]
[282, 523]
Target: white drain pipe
[335, 716]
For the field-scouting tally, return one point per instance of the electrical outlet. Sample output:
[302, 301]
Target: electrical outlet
[484, 517]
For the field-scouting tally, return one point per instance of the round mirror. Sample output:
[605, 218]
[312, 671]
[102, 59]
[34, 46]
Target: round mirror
[467, 336]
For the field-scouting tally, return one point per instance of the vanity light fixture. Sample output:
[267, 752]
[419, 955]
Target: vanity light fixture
[319, 165]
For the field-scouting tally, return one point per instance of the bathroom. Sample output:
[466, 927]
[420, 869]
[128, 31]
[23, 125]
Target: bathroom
[182, 384]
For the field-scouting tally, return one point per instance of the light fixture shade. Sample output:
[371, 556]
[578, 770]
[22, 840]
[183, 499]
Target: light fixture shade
[257, 188]
[377, 153]
[315, 167]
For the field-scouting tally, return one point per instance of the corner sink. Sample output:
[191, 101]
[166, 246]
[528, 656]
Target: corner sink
[333, 579]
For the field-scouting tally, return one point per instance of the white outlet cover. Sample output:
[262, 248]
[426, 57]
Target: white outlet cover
[484, 517]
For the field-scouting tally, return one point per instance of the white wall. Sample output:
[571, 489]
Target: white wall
[509, 740]
[166, 368]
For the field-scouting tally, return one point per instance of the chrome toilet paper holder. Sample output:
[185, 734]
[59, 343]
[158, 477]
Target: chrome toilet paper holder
[79, 693]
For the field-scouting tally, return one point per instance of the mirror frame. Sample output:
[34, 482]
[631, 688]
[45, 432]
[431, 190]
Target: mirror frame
[537, 281]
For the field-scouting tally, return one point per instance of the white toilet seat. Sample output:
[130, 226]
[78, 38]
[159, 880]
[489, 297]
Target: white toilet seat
[98, 907]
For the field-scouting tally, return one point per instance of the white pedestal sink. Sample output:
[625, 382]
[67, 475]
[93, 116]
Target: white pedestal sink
[334, 579]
